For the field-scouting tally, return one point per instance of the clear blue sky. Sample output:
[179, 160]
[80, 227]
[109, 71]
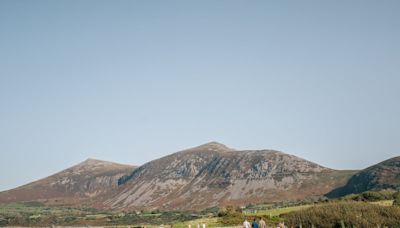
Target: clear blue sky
[130, 81]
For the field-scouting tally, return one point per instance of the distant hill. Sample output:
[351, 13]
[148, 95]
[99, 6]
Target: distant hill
[201, 177]
[214, 174]
[384, 175]
[72, 186]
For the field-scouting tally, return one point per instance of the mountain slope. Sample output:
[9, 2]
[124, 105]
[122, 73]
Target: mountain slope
[74, 185]
[383, 175]
[213, 175]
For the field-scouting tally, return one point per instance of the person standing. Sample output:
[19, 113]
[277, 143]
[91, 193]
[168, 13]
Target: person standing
[262, 224]
[254, 224]
[246, 224]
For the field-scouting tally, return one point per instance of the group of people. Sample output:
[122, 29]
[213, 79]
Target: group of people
[260, 224]
[255, 224]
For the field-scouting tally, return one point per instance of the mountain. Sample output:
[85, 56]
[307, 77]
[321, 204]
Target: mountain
[73, 186]
[383, 175]
[214, 174]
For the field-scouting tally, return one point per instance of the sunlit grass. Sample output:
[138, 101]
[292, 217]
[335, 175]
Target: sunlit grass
[278, 211]
[210, 222]
[383, 202]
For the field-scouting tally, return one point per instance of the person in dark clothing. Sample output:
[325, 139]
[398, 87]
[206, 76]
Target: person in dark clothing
[254, 224]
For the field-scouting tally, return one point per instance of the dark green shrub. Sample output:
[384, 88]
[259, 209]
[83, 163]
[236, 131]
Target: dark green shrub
[396, 198]
[231, 215]
[3, 221]
[351, 214]
[372, 196]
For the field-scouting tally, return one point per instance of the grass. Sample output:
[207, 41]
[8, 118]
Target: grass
[278, 211]
[383, 202]
[28, 208]
[284, 210]
[33, 214]
[26, 214]
[350, 214]
[96, 216]
[210, 222]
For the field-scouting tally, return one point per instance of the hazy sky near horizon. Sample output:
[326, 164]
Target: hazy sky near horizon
[131, 81]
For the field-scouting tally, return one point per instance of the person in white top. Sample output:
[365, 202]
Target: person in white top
[246, 224]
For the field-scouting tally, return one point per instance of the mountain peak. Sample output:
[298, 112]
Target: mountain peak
[213, 146]
[98, 165]
[218, 175]
[92, 161]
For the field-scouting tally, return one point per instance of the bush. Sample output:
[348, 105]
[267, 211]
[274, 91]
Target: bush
[371, 196]
[230, 215]
[396, 198]
[222, 212]
[3, 221]
[349, 214]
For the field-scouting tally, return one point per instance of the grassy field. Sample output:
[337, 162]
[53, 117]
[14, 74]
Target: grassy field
[17, 209]
[37, 214]
[284, 210]
[346, 214]
[27, 214]
[383, 202]
[210, 222]
[278, 211]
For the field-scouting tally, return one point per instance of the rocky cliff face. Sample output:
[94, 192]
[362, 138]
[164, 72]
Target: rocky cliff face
[213, 175]
[75, 185]
[383, 175]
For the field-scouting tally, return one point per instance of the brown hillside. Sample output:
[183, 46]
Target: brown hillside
[72, 186]
[214, 175]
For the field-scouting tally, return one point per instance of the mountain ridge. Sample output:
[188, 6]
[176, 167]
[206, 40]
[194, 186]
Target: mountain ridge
[208, 175]
[78, 183]
[219, 175]
[383, 175]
